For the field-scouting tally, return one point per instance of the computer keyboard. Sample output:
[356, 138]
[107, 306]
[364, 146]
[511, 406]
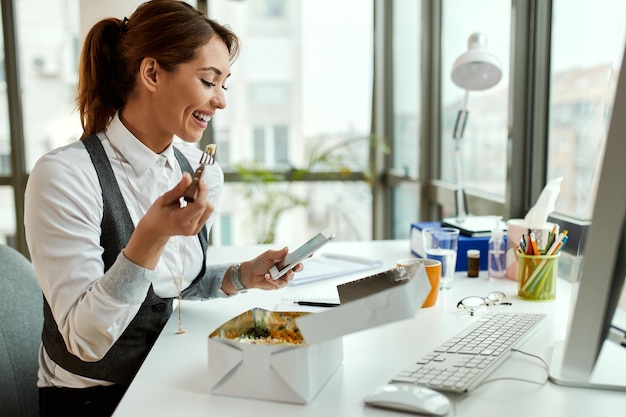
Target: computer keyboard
[462, 362]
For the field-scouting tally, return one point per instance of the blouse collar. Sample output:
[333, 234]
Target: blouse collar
[139, 156]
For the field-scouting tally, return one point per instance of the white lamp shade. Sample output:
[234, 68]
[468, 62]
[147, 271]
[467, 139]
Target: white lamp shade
[476, 69]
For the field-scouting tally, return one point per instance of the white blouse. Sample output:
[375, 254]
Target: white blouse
[62, 216]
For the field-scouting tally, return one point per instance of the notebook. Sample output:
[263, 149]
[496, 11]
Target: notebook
[474, 226]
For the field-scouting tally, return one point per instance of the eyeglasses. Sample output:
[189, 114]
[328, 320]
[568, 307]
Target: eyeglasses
[474, 303]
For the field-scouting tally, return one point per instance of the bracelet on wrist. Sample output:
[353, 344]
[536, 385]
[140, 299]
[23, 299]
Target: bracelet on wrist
[235, 278]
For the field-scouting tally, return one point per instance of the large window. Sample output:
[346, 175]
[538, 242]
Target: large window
[300, 109]
[296, 90]
[427, 38]
[484, 143]
[48, 66]
[299, 104]
[587, 45]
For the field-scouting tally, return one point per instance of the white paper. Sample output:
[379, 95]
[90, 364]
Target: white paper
[331, 265]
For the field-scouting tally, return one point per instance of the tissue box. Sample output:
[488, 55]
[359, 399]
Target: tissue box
[296, 373]
[465, 243]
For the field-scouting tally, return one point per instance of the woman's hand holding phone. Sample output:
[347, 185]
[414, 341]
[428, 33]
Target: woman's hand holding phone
[294, 258]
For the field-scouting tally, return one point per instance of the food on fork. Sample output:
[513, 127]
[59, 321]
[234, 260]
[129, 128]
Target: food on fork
[210, 151]
[207, 158]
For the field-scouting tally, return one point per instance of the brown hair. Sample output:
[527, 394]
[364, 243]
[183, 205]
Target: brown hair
[166, 30]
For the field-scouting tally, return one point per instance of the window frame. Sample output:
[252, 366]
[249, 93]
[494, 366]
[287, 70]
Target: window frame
[528, 121]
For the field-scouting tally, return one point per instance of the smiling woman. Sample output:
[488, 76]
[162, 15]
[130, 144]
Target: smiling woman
[111, 237]
[183, 48]
[190, 93]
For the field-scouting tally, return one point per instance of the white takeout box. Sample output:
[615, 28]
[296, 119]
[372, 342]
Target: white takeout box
[296, 374]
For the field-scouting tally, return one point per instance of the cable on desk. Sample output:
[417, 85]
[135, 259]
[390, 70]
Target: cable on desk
[522, 379]
[505, 378]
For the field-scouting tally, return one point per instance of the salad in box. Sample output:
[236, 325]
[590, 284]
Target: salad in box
[289, 356]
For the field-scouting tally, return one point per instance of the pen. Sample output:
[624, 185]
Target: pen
[551, 238]
[316, 304]
[522, 244]
[528, 248]
[533, 242]
[555, 245]
[558, 243]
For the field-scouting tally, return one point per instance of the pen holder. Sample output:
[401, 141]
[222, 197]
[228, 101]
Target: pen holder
[537, 276]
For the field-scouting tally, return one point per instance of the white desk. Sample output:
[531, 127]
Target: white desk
[174, 378]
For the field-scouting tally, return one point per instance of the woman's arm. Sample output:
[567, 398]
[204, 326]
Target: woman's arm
[63, 211]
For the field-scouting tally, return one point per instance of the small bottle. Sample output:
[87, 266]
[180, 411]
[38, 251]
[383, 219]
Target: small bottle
[496, 260]
[473, 263]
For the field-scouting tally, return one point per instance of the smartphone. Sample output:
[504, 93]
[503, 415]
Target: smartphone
[300, 254]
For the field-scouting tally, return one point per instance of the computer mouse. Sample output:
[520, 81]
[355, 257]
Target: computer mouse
[409, 398]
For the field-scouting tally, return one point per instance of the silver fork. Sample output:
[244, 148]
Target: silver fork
[207, 158]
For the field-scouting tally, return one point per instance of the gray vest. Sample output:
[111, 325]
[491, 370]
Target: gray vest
[123, 360]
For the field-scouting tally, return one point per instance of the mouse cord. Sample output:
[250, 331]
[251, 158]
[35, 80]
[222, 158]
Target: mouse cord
[505, 378]
[543, 382]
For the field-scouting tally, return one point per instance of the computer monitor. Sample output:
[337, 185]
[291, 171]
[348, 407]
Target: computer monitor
[586, 358]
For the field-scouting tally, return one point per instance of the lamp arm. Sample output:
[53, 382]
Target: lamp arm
[459, 128]
[461, 119]
[461, 212]
[459, 125]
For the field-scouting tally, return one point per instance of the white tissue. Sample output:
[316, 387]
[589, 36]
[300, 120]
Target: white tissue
[537, 216]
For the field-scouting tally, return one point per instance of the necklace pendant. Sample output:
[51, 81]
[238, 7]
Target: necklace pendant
[178, 281]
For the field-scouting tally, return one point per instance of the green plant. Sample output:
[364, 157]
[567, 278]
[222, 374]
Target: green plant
[269, 193]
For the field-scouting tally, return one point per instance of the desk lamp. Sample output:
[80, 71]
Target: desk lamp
[475, 70]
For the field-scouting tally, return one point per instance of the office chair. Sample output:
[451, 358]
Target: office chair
[21, 322]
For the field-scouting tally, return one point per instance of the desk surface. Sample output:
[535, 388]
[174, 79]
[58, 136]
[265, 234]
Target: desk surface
[174, 378]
